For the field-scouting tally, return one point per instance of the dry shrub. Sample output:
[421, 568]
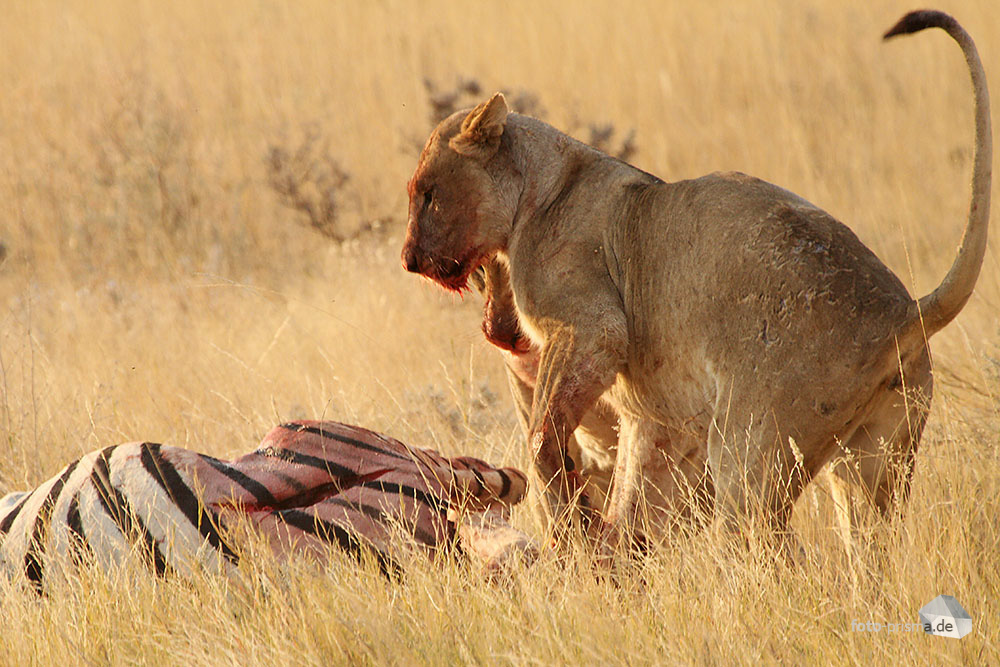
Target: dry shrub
[147, 191]
[443, 103]
[309, 180]
[468, 92]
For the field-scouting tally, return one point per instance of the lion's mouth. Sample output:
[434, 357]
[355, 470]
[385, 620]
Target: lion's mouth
[454, 274]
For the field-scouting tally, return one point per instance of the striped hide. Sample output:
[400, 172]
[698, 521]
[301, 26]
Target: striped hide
[309, 485]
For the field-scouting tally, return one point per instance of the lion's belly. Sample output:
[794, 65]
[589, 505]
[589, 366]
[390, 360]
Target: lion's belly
[676, 392]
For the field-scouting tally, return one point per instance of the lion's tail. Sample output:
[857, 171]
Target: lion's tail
[934, 311]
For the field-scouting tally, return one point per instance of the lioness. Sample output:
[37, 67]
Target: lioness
[721, 311]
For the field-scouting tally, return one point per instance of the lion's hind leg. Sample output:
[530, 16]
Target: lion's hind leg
[758, 471]
[872, 470]
[878, 460]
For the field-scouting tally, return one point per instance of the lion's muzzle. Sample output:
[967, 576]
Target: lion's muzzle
[412, 258]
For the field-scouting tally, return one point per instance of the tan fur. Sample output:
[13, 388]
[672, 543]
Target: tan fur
[721, 313]
[677, 491]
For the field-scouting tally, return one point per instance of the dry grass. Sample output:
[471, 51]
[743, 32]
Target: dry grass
[155, 286]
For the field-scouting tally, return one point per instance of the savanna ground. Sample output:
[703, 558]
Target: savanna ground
[163, 170]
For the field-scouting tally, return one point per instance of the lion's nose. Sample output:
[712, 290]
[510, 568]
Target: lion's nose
[411, 262]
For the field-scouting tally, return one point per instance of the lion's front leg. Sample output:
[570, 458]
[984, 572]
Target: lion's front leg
[575, 369]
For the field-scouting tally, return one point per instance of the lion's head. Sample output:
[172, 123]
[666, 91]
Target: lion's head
[459, 214]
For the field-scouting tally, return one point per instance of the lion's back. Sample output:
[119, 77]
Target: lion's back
[730, 267]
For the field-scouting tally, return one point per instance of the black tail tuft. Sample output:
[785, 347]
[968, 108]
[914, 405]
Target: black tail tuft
[919, 20]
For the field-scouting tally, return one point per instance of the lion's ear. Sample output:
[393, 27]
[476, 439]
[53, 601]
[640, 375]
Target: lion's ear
[482, 128]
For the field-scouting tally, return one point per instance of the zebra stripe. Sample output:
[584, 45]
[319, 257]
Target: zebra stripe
[8, 520]
[77, 537]
[347, 541]
[301, 459]
[260, 492]
[33, 557]
[184, 499]
[378, 516]
[117, 506]
[505, 483]
[333, 435]
[419, 495]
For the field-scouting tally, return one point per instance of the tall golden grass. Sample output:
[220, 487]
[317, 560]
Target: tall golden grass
[154, 286]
